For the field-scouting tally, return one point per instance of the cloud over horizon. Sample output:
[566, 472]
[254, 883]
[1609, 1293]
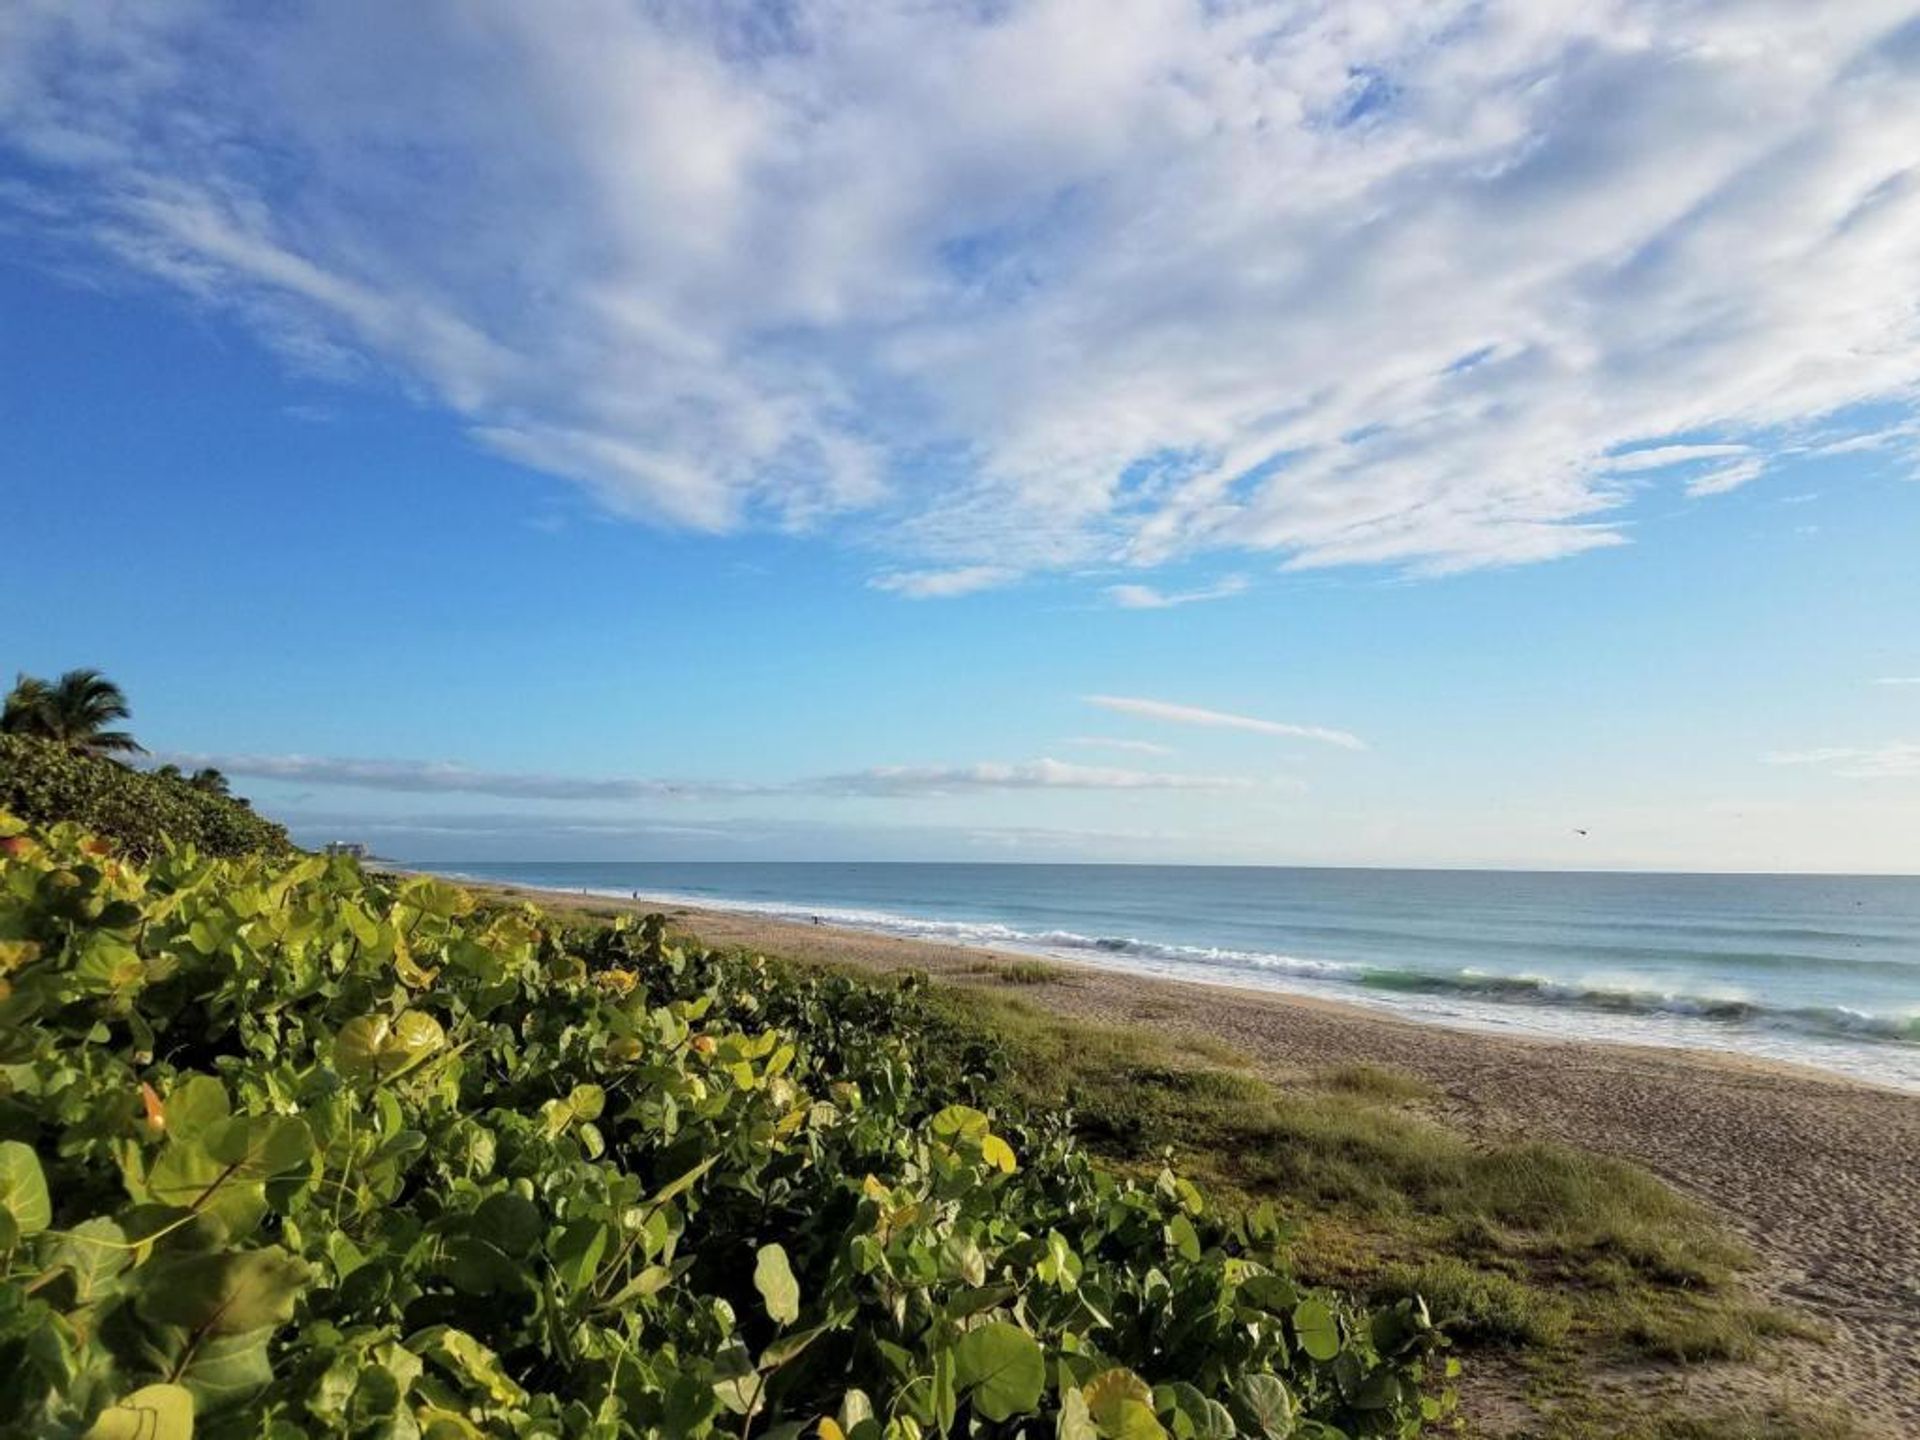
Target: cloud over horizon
[1441, 290]
[881, 782]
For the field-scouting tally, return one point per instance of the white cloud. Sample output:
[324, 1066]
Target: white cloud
[440, 777]
[1110, 742]
[1412, 283]
[1895, 760]
[1145, 597]
[1659, 457]
[1723, 478]
[1898, 680]
[1221, 720]
[1043, 774]
[942, 584]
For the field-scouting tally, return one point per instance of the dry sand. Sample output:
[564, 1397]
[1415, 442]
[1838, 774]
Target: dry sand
[1820, 1173]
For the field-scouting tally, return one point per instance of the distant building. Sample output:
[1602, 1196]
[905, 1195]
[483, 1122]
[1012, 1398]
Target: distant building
[349, 847]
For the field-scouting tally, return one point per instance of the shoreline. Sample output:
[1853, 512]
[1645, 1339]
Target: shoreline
[1817, 1171]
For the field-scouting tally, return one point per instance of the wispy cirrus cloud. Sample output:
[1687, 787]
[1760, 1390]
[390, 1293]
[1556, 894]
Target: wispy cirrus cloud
[1146, 597]
[1174, 714]
[1203, 278]
[1894, 760]
[1042, 774]
[942, 584]
[1665, 457]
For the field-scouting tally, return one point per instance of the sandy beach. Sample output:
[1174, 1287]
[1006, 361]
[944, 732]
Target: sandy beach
[1821, 1174]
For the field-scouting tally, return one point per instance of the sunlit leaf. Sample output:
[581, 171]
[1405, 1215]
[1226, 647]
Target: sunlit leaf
[153, 1412]
[23, 1189]
[773, 1278]
[1318, 1332]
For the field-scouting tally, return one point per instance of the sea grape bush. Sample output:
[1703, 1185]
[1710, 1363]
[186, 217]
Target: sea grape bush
[43, 782]
[287, 1149]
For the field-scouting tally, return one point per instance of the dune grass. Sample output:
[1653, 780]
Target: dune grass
[1020, 972]
[1552, 1254]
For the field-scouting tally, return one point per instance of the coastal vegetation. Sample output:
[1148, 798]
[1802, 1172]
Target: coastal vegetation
[1551, 1237]
[45, 781]
[61, 753]
[288, 1149]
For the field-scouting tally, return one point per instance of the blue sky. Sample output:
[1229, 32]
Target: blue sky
[1142, 431]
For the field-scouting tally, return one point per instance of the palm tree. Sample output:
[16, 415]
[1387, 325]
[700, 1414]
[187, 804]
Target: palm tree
[26, 707]
[210, 780]
[169, 772]
[73, 711]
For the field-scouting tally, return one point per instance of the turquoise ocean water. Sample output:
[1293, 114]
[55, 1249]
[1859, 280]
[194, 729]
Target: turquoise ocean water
[1824, 970]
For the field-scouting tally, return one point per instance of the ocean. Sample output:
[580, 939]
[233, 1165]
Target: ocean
[1822, 970]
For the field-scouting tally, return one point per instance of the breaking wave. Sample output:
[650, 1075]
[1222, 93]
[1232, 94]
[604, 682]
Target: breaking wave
[1832, 1022]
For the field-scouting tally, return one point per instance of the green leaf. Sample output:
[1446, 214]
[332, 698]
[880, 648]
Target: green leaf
[153, 1412]
[185, 1176]
[1267, 1403]
[195, 1103]
[1121, 1406]
[93, 1253]
[1003, 1367]
[1316, 1329]
[997, 1153]
[225, 1293]
[470, 1362]
[1270, 1292]
[587, 1101]
[228, 1371]
[23, 1188]
[1076, 1421]
[650, 1281]
[773, 1278]
[960, 1122]
[510, 1222]
[260, 1145]
[577, 1252]
[379, 1047]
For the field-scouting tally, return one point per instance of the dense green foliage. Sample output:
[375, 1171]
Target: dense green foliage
[290, 1150]
[44, 782]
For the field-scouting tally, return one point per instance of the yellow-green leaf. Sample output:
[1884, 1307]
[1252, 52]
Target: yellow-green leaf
[153, 1412]
[773, 1278]
[23, 1188]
